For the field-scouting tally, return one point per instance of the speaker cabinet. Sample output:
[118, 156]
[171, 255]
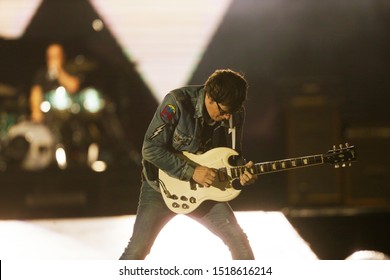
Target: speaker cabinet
[313, 127]
[368, 181]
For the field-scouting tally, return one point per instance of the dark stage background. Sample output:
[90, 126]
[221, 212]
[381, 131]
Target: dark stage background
[318, 77]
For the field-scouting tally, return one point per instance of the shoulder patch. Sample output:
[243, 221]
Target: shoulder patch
[157, 131]
[168, 112]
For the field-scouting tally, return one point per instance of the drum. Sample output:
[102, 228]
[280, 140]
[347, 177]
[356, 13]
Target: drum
[10, 111]
[91, 100]
[7, 120]
[57, 104]
[30, 144]
[58, 101]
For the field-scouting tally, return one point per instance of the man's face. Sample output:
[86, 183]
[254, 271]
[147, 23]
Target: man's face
[217, 112]
[55, 56]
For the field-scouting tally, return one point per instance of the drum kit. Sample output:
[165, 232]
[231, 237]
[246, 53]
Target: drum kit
[69, 134]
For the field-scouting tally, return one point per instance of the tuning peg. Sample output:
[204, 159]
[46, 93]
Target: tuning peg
[347, 144]
[343, 165]
[337, 165]
[341, 146]
[334, 147]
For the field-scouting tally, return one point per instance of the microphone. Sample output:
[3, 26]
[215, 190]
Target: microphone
[53, 73]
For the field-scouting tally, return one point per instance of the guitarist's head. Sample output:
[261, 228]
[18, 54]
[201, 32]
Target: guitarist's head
[226, 91]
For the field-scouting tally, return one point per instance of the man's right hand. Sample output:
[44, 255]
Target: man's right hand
[204, 176]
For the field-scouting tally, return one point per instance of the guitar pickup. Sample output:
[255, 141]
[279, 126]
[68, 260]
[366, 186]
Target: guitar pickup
[222, 175]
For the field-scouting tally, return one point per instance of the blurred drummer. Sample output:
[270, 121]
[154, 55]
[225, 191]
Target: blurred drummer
[49, 78]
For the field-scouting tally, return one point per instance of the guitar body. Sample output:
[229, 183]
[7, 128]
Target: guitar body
[183, 197]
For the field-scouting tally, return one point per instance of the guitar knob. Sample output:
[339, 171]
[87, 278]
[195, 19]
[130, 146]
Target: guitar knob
[183, 198]
[185, 206]
[175, 205]
[337, 165]
[192, 199]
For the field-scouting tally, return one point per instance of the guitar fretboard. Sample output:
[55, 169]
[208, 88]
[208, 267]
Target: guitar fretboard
[279, 165]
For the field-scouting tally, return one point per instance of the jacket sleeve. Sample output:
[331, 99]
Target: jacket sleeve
[157, 146]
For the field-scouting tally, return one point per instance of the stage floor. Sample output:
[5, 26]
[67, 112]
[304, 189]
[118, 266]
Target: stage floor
[104, 238]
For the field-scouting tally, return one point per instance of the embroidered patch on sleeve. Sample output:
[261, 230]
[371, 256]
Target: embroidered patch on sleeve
[168, 112]
[158, 130]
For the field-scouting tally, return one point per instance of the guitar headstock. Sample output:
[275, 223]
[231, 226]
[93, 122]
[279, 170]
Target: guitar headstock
[342, 156]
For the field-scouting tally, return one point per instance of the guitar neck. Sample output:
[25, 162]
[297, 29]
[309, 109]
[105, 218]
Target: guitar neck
[279, 165]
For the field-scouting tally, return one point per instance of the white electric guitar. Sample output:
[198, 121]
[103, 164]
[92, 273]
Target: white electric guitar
[183, 197]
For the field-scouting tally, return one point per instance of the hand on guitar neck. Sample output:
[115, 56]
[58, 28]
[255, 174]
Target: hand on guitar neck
[206, 176]
[248, 178]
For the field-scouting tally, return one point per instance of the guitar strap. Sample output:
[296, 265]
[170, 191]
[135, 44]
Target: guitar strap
[232, 131]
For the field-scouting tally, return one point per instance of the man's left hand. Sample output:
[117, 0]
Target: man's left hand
[248, 178]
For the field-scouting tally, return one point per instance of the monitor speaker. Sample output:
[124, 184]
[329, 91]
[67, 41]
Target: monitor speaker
[313, 127]
[368, 182]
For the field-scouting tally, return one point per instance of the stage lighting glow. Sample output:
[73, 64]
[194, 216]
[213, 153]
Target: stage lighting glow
[92, 100]
[270, 234]
[61, 158]
[45, 106]
[93, 161]
[166, 39]
[15, 16]
[93, 153]
[181, 30]
[60, 99]
[75, 108]
[97, 25]
[99, 166]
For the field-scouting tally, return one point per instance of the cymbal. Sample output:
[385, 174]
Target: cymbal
[81, 65]
[7, 90]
